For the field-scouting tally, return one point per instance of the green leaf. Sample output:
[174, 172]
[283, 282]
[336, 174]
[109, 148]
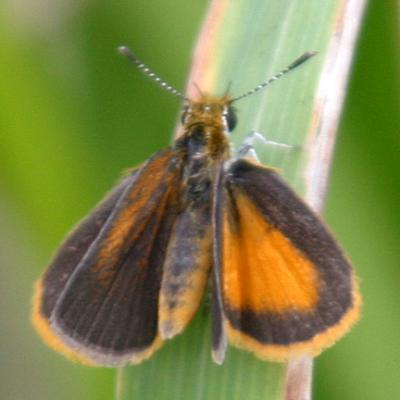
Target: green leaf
[244, 43]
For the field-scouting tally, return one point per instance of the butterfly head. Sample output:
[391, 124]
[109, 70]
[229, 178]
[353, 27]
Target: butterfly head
[209, 111]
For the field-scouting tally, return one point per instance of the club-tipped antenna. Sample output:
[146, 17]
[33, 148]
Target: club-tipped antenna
[302, 59]
[125, 51]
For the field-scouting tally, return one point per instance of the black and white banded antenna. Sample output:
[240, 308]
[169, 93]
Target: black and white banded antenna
[125, 51]
[302, 59]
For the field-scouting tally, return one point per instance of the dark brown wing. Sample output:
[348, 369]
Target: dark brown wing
[98, 301]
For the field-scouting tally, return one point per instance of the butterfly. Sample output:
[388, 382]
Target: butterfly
[133, 273]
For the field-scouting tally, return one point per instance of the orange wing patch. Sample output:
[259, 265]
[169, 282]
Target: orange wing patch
[138, 200]
[262, 270]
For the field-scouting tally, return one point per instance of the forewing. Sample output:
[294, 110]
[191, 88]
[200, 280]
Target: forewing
[287, 287]
[98, 302]
[52, 283]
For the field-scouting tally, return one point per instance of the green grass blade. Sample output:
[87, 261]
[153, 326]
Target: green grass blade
[183, 369]
[244, 43]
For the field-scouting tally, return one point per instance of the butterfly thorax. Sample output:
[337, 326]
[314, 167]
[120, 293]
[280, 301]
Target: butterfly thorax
[208, 121]
[204, 144]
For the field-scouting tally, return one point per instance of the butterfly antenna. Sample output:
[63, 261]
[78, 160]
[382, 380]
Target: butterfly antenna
[198, 89]
[125, 51]
[302, 59]
[228, 88]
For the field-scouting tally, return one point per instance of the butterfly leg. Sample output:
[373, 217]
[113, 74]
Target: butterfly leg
[247, 147]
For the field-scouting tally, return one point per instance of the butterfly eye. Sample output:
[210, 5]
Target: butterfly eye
[231, 119]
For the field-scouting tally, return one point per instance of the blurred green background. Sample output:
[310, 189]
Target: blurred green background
[73, 114]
